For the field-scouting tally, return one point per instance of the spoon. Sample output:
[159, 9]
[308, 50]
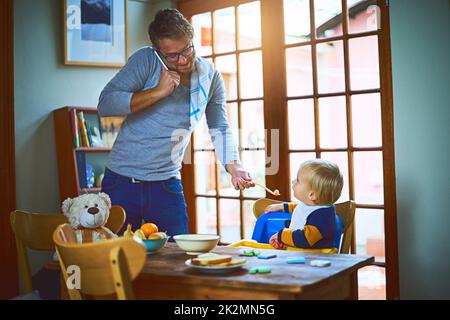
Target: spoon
[275, 192]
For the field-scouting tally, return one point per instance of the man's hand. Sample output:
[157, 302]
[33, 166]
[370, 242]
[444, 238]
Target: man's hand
[275, 243]
[240, 178]
[168, 82]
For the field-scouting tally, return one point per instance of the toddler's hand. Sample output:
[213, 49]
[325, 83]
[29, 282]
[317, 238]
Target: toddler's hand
[274, 208]
[275, 243]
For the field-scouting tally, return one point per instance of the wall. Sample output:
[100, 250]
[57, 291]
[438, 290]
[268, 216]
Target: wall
[421, 77]
[42, 84]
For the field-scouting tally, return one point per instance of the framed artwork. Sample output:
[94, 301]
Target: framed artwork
[95, 32]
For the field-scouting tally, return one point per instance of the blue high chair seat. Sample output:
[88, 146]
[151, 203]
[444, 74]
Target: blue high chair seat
[270, 223]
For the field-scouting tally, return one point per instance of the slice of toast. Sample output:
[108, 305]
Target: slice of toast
[208, 259]
[236, 261]
[233, 262]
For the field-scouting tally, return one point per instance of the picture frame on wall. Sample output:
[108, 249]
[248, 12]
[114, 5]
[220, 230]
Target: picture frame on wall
[95, 32]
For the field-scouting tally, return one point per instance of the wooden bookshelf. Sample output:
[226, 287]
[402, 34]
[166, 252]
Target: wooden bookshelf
[69, 154]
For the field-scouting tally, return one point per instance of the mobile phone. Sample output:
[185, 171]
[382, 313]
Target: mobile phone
[160, 60]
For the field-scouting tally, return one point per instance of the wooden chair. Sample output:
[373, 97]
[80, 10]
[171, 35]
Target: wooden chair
[345, 211]
[35, 231]
[106, 267]
[116, 219]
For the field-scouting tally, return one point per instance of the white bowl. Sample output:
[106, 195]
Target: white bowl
[197, 243]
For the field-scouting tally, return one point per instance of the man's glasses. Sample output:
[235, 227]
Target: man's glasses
[174, 57]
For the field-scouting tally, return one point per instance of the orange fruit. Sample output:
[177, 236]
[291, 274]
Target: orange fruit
[154, 236]
[149, 228]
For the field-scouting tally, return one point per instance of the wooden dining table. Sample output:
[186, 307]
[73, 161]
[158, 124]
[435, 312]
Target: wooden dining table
[165, 276]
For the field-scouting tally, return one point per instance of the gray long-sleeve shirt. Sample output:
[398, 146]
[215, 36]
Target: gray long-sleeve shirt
[151, 143]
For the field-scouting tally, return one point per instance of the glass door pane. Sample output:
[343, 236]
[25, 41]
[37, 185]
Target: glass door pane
[370, 233]
[333, 122]
[363, 16]
[249, 25]
[364, 67]
[330, 67]
[328, 18]
[366, 120]
[230, 225]
[299, 71]
[297, 27]
[205, 175]
[369, 236]
[228, 68]
[252, 131]
[301, 124]
[249, 219]
[224, 30]
[206, 215]
[368, 177]
[203, 33]
[251, 77]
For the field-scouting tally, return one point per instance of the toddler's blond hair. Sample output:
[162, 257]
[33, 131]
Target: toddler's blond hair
[325, 179]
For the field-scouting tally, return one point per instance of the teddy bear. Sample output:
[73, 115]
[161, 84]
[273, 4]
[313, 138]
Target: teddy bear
[87, 214]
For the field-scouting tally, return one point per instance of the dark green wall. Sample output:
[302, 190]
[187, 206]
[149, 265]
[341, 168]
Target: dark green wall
[421, 83]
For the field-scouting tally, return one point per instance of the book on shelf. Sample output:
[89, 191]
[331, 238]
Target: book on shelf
[88, 133]
[74, 123]
[86, 138]
[81, 168]
[82, 130]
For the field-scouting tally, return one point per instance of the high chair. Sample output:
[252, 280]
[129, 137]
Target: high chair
[35, 231]
[345, 211]
[105, 267]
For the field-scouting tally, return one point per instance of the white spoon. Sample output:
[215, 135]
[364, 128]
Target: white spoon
[276, 192]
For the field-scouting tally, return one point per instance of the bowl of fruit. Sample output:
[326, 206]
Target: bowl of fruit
[149, 235]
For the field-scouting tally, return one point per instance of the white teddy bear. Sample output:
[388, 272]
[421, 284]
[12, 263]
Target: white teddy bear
[87, 214]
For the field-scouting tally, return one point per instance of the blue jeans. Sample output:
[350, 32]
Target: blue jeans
[159, 202]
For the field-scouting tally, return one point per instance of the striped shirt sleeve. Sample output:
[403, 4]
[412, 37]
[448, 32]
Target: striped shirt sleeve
[318, 226]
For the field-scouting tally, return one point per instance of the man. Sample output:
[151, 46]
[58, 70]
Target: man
[163, 91]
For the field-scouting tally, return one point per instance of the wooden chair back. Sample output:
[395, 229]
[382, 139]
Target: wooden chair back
[116, 218]
[345, 211]
[106, 267]
[35, 231]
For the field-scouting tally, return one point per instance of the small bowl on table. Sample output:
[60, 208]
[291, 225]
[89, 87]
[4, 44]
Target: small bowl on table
[153, 245]
[195, 244]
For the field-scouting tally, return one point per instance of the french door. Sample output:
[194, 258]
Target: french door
[305, 79]
[9, 286]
